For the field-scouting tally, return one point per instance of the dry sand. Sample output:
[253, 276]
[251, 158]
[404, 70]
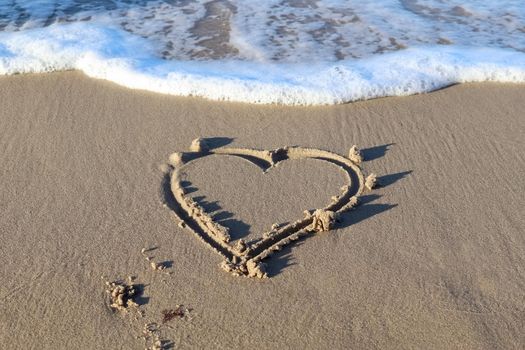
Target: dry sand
[434, 259]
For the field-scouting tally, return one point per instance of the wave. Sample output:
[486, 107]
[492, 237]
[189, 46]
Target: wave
[111, 53]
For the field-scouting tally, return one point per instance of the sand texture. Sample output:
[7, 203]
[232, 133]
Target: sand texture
[95, 255]
[246, 259]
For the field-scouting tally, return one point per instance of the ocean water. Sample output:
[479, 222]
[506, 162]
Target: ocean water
[296, 52]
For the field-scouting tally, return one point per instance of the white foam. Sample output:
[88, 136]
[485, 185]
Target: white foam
[126, 59]
[291, 31]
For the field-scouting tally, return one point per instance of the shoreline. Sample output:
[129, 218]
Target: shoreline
[431, 259]
[131, 61]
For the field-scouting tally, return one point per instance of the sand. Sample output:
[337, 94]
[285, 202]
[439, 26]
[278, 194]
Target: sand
[247, 258]
[433, 258]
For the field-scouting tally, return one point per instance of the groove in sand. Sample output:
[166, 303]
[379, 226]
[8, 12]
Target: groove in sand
[243, 259]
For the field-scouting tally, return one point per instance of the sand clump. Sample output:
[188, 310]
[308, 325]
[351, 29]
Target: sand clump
[256, 269]
[151, 333]
[323, 220]
[371, 182]
[241, 258]
[122, 295]
[175, 159]
[355, 155]
[199, 145]
[157, 266]
[241, 246]
[248, 268]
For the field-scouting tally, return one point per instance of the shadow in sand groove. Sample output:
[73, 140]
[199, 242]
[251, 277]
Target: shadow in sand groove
[210, 217]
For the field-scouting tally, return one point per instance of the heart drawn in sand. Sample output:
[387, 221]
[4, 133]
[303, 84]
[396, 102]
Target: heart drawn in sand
[241, 258]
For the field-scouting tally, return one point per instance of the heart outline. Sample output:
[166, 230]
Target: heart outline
[246, 259]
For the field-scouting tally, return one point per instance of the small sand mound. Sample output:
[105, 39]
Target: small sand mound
[175, 159]
[371, 181]
[199, 145]
[256, 269]
[355, 154]
[323, 220]
[122, 295]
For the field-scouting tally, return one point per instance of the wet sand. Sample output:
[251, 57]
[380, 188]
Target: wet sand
[434, 258]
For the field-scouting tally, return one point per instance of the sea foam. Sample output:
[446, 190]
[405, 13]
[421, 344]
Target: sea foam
[107, 52]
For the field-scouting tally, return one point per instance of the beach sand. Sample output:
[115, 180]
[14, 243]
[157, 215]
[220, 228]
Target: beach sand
[433, 259]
